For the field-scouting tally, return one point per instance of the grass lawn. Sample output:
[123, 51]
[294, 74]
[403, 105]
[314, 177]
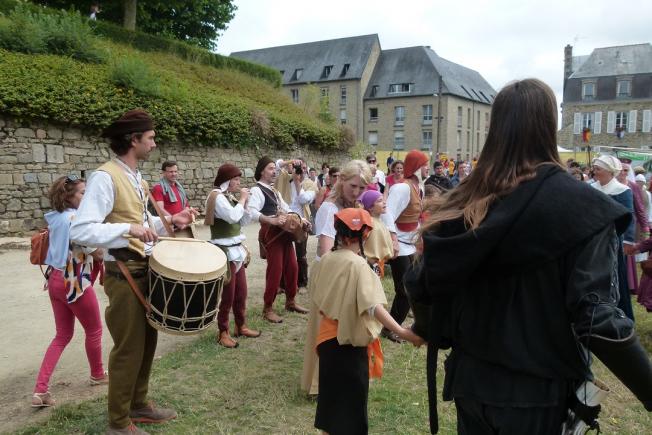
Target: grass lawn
[254, 389]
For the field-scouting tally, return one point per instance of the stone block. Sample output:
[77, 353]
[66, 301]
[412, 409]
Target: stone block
[54, 153]
[6, 179]
[44, 178]
[25, 158]
[38, 152]
[23, 214]
[4, 225]
[41, 134]
[55, 133]
[248, 172]
[10, 159]
[3, 208]
[75, 151]
[14, 204]
[45, 202]
[30, 178]
[18, 179]
[37, 214]
[24, 132]
[207, 173]
[2, 123]
[72, 133]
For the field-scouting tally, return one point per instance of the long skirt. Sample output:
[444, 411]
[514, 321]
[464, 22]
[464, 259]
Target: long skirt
[343, 389]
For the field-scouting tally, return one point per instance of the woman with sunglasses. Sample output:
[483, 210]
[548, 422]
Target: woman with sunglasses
[70, 275]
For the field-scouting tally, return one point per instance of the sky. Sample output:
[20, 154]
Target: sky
[501, 39]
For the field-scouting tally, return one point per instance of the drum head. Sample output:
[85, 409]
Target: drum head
[188, 260]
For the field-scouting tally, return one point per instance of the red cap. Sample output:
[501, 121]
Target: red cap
[414, 160]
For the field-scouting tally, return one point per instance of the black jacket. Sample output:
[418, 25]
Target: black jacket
[443, 182]
[513, 297]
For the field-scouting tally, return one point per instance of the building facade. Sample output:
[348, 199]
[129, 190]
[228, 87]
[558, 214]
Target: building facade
[608, 98]
[400, 99]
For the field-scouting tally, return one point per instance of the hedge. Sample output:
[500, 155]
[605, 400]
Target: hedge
[63, 90]
[147, 42]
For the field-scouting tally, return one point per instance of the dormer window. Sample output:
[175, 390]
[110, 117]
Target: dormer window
[345, 69]
[374, 91]
[624, 88]
[297, 74]
[588, 91]
[400, 88]
[327, 71]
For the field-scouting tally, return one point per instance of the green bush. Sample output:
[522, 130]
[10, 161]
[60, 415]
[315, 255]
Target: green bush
[30, 30]
[131, 72]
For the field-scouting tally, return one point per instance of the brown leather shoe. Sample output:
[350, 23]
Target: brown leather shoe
[225, 340]
[293, 306]
[244, 331]
[152, 414]
[270, 315]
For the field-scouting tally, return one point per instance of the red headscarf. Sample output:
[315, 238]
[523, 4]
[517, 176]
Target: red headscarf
[414, 160]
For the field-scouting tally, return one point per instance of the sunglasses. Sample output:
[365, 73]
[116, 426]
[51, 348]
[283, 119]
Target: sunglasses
[71, 178]
[371, 161]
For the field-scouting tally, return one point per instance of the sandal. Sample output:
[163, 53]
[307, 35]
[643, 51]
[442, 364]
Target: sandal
[42, 400]
[104, 380]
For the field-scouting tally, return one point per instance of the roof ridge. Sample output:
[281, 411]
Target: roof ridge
[311, 42]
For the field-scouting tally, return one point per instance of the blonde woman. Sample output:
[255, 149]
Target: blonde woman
[354, 178]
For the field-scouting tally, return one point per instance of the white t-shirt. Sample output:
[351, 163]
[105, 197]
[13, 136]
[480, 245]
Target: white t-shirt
[325, 221]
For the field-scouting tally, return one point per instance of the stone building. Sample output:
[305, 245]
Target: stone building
[397, 99]
[34, 153]
[609, 95]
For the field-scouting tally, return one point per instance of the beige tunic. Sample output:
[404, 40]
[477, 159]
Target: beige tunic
[343, 287]
[379, 243]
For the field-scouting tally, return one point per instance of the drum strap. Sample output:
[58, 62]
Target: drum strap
[130, 279]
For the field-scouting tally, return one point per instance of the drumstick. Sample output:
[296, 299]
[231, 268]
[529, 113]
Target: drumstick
[180, 239]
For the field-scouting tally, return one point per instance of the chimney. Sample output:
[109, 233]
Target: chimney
[568, 62]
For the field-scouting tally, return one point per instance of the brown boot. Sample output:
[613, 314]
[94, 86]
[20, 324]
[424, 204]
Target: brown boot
[291, 305]
[270, 315]
[244, 331]
[225, 340]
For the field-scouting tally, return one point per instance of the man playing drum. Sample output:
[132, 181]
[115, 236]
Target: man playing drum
[115, 205]
[226, 215]
[267, 207]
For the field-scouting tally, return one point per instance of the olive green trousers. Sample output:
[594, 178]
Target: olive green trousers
[134, 344]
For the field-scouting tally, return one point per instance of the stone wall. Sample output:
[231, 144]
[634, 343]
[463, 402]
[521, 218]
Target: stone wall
[34, 153]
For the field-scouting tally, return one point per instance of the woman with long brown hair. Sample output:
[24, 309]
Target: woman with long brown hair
[534, 281]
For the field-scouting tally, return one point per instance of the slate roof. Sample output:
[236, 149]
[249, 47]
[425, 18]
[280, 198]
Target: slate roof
[422, 67]
[314, 56]
[616, 61]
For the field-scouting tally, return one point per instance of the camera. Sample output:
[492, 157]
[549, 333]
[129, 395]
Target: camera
[297, 169]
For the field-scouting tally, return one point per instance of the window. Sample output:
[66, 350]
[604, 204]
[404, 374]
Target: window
[373, 114]
[426, 139]
[623, 88]
[343, 116]
[468, 142]
[326, 71]
[400, 88]
[621, 120]
[468, 118]
[295, 96]
[399, 140]
[588, 91]
[459, 116]
[459, 140]
[282, 72]
[427, 114]
[587, 120]
[343, 95]
[399, 115]
[373, 138]
[486, 122]
[374, 91]
[323, 97]
[345, 69]
[297, 74]
[477, 127]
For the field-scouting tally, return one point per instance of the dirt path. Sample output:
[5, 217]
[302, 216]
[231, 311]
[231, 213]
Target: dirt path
[29, 327]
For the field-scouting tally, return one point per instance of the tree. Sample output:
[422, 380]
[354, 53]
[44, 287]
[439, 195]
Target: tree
[198, 22]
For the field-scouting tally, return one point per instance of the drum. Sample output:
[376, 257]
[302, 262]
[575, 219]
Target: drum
[185, 281]
[294, 226]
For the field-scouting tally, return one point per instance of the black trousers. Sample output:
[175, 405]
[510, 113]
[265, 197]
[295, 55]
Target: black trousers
[400, 305]
[476, 418]
[302, 262]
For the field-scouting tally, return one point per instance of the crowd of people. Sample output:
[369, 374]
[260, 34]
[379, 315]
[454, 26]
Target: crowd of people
[533, 280]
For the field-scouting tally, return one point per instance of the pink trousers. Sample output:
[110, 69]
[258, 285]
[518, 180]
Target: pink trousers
[87, 311]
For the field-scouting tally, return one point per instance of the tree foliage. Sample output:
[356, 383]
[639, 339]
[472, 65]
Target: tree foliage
[198, 22]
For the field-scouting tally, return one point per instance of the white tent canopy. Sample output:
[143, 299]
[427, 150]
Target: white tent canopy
[563, 150]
